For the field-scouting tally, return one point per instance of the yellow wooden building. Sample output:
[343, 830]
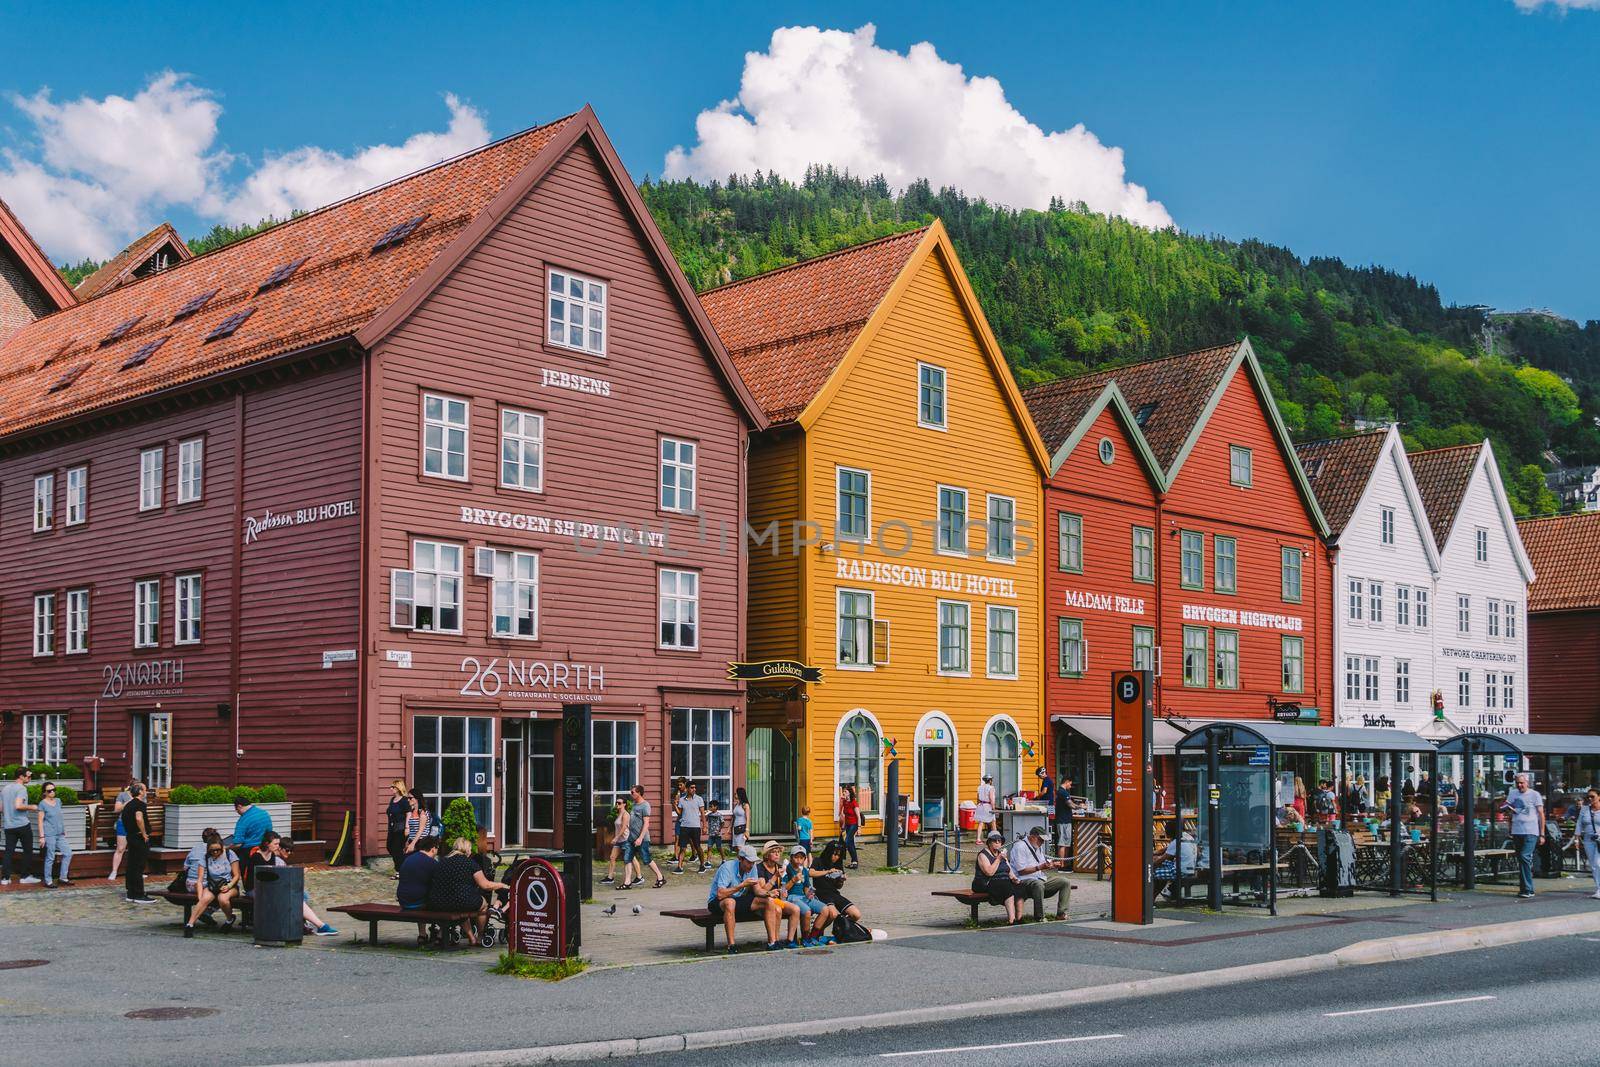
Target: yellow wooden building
[894, 513]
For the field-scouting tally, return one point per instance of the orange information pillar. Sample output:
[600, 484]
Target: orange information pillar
[1132, 708]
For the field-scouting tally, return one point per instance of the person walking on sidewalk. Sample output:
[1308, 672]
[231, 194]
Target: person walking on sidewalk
[1587, 833]
[1033, 869]
[136, 823]
[121, 834]
[53, 836]
[637, 857]
[619, 845]
[18, 829]
[740, 818]
[1527, 829]
[850, 816]
[395, 815]
[691, 806]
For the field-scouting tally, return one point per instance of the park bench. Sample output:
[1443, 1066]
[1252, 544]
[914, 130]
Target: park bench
[241, 903]
[970, 898]
[373, 914]
[708, 922]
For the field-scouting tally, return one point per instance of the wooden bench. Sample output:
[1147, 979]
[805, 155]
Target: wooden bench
[708, 922]
[241, 903]
[373, 914]
[970, 898]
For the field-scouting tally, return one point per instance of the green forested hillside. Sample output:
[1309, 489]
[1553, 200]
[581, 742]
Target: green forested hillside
[1066, 290]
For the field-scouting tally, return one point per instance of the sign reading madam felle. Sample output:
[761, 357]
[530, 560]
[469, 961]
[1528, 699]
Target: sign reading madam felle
[255, 526]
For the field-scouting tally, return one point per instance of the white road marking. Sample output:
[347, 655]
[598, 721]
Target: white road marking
[1008, 1044]
[1406, 1007]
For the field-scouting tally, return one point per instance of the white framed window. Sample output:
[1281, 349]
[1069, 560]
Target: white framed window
[1225, 567]
[444, 436]
[702, 751]
[1357, 602]
[1386, 526]
[1482, 542]
[1463, 613]
[678, 474]
[1069, 537]
[1241, 468]
[1002, 757]
[1192, 560]
[952, 520]
[152, 464]
[955, 637]
[44, 624]
[1491, 691]
[678, 609]
[931, 397]
[1463, 689]
[146, 612]
[1402, 605]
[1492, 617]
[1507, 692]
[615, 760]
[856, 630]
[77, 621]
[191, 469]
[427, 598]
[1293, 569]
[1422, 608]
[1294, 664]
[521, 450]
[77, 496]
[1402, 681]
[1375, 601]
[187, 608]
[514, 594]
[44, 739]
[1144, 554]
[1227, 648]
[44, 502]
[860, 756]
[1001, 642]
[1369, 678]
[1001, 533]
[1073, 655]
[1511, 620]
[1144, 648]
[854, 499]
[1352, 678]
[1195, 674]
[577, 312]
[453, 756]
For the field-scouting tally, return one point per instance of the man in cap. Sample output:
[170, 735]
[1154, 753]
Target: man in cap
[733, 894]
[1038, 876]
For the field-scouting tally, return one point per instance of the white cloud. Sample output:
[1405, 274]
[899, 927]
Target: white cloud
[99, 172]
[1561, 5]
[827, 96]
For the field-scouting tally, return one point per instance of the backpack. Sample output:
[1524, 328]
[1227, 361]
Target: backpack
[847, 931]
[1325, 803]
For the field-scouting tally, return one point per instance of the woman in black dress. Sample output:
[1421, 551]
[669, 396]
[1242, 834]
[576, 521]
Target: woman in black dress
[827, 877]
[994, 876]
[399, 807]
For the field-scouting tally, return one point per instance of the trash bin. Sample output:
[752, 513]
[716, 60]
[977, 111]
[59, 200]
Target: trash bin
[277, 898]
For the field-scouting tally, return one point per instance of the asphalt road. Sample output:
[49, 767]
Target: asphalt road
[1524, 1004]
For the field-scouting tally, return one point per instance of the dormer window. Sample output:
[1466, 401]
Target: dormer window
[1142, 416]
[577, 313]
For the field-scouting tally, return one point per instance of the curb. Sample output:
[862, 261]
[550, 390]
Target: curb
[1360, 954]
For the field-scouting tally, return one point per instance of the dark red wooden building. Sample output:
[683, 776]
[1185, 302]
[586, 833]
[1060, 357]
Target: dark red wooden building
[370, 495]
[1563, 623]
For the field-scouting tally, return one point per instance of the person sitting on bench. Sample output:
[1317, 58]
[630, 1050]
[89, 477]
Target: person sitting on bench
[458, 884]
[1036, 874]
[1178, 861]
[274, 851]
[772, 891]
[218, 880]
[993, 876]
[827, 879]
[733, 895]
[415, 875]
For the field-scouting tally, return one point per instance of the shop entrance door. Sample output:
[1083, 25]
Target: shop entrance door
[511, 791]
[541, 810]
[935, 772]
[152, 749]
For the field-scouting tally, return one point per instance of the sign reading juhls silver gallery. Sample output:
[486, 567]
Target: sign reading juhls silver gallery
[534, 679]
[145, 678]
[256, 525]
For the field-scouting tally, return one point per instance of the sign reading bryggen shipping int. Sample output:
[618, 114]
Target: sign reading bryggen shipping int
[534, 679]
[561, 527]
[774, 670]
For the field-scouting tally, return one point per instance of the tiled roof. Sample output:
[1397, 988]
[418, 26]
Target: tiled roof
[788, 329]
[1565, 551]
[339, 288]
[1442, 475]
[120, 267]
[1338, 470]
[1173, 392]
[1058, 407]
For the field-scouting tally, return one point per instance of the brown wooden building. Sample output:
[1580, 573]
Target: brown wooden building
[371, 494]
[1564, 623]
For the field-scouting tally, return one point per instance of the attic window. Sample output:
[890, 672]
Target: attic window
[226, 327]
[1313, 467]
[1142, 416]
[120, 330]
[281, 275]
[194, 303]
[144, 352]
[396, 234]
[68, 378]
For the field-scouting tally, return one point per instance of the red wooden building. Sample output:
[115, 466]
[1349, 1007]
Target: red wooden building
[371, 494]
[1182, 538]
[1564, 623]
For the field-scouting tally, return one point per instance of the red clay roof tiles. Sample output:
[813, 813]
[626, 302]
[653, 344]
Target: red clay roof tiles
[1338, 470]
[120, 267]
[1565, 551]
[340, 287]
[1442, 475]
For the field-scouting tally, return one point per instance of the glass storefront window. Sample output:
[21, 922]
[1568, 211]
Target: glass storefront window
[702, 751]
[453, 756]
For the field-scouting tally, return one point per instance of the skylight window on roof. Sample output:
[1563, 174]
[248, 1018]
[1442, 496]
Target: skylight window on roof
[226, 327]
[282, 274]
[396, 234]
[1142, 416]
[193, 304]
[144, 352]
[1314, 467]
[68, 378]
[120, 330]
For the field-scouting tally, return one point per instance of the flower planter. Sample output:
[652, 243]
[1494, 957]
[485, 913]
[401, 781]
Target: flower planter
[185, 822]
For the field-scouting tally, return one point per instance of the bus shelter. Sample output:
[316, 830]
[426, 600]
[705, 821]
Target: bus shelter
[1480, 769]
[1245, 778]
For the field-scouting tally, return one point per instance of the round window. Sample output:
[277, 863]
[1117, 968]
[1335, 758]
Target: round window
[1108, 451]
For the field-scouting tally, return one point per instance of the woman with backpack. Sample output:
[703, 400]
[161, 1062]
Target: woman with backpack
[395, 814]
[827, 879]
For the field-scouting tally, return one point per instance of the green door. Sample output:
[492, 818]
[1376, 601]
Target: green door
[769, 778]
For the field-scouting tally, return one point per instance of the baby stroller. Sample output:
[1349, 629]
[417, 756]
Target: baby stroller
[494, 931]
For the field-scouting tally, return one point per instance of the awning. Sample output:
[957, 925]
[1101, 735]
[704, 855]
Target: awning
[1525, 744]
[1236, 734]
[1096, 729]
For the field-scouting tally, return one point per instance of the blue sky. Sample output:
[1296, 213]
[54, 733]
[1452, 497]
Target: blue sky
[1459, 140]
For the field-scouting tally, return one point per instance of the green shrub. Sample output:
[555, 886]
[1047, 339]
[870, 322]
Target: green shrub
[9, 771]
[215, 794]
[243, 794]
[183, 794]
[66, 794]
[41, 770]
[69, 770]
[459, 821]
[271, 794]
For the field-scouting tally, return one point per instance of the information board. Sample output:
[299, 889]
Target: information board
[577, 811]
[1132, 763]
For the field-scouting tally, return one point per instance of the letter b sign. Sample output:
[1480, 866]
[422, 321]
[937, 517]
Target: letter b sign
[1128, 690]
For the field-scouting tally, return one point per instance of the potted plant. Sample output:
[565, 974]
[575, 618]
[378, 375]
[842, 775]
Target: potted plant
[73, 814]
[189, 811]
[459, 821]
[275, 799]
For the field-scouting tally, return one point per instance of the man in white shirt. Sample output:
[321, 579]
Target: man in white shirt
[1526, 807]
[1038, 876]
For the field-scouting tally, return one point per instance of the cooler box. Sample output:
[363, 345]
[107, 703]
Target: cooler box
[969, 815]
[913, 819]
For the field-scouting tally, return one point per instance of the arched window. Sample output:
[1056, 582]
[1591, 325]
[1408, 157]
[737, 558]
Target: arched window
[1001, 757]
[858, 754]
